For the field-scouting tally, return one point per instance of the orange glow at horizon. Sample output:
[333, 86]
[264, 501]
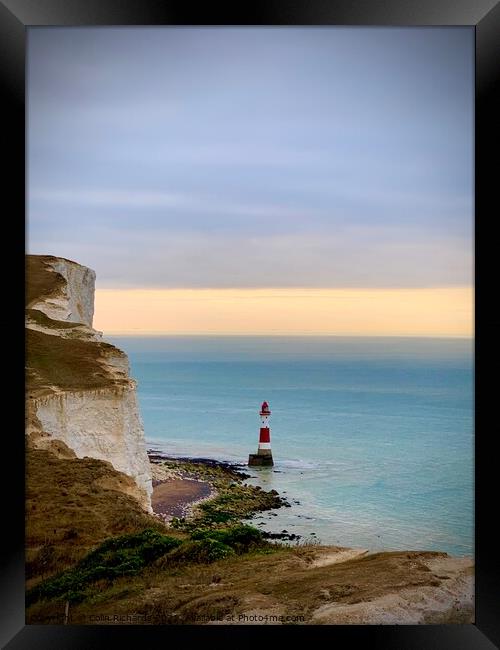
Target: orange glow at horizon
[441, 311]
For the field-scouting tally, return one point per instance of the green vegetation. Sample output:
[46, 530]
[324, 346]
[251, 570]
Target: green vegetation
[283, 581]
[235, 500]
[104, 547]
[128, 555]
[215, 473]
[116, 557]
[203, 551]
[240, 538]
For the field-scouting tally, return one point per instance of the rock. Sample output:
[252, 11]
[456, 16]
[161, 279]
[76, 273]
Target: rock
[91, 405]
[74, 300]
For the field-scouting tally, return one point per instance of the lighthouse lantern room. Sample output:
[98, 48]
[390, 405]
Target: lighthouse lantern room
[264, 456]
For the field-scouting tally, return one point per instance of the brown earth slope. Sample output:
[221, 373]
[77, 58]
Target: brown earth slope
[73, 504]
[288, 586]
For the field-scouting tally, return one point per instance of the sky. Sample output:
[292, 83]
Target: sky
[258, 180]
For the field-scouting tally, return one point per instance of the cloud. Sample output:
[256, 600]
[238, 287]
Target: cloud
[143, 200]
[111, 198]
[253, 157]
[353, 258]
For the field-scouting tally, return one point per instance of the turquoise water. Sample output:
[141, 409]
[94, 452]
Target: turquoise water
[373, 437]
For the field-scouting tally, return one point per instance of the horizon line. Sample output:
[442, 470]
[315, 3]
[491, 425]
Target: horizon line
[284, 335]
[289, 287]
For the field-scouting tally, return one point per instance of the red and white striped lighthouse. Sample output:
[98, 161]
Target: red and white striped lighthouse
[264, 454]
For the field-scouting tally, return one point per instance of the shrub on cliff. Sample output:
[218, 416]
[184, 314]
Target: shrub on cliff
[199, 551]
[240, 538]
[114, 558]
[213, 514]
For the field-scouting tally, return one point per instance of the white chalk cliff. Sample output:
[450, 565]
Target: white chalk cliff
[74, 302]
[78, 386]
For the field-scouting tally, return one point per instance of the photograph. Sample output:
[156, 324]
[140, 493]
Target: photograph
[250, 325]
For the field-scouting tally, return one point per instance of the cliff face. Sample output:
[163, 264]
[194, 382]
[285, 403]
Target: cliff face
[78, 386]
[70, 296]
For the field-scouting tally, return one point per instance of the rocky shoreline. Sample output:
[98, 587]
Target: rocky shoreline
[222, 495]
[232, 469]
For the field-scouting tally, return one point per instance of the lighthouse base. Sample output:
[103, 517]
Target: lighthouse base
[260, 460]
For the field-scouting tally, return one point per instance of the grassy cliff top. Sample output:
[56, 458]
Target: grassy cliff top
[68, 364]
[41, 281]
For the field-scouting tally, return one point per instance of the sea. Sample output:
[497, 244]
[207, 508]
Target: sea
[372, 438]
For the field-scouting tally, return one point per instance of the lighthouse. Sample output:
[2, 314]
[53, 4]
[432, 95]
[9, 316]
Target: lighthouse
[264, 455]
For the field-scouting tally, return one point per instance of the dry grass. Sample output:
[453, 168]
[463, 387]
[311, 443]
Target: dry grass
[279, 582]
[68, 511]
[69, 364]
[66, 363]
[41, 281]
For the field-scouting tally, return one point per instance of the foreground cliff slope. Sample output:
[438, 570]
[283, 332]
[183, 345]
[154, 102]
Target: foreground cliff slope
[79, 391]
[73, 504]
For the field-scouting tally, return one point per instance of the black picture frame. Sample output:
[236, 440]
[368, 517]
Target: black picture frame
[482, 15]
